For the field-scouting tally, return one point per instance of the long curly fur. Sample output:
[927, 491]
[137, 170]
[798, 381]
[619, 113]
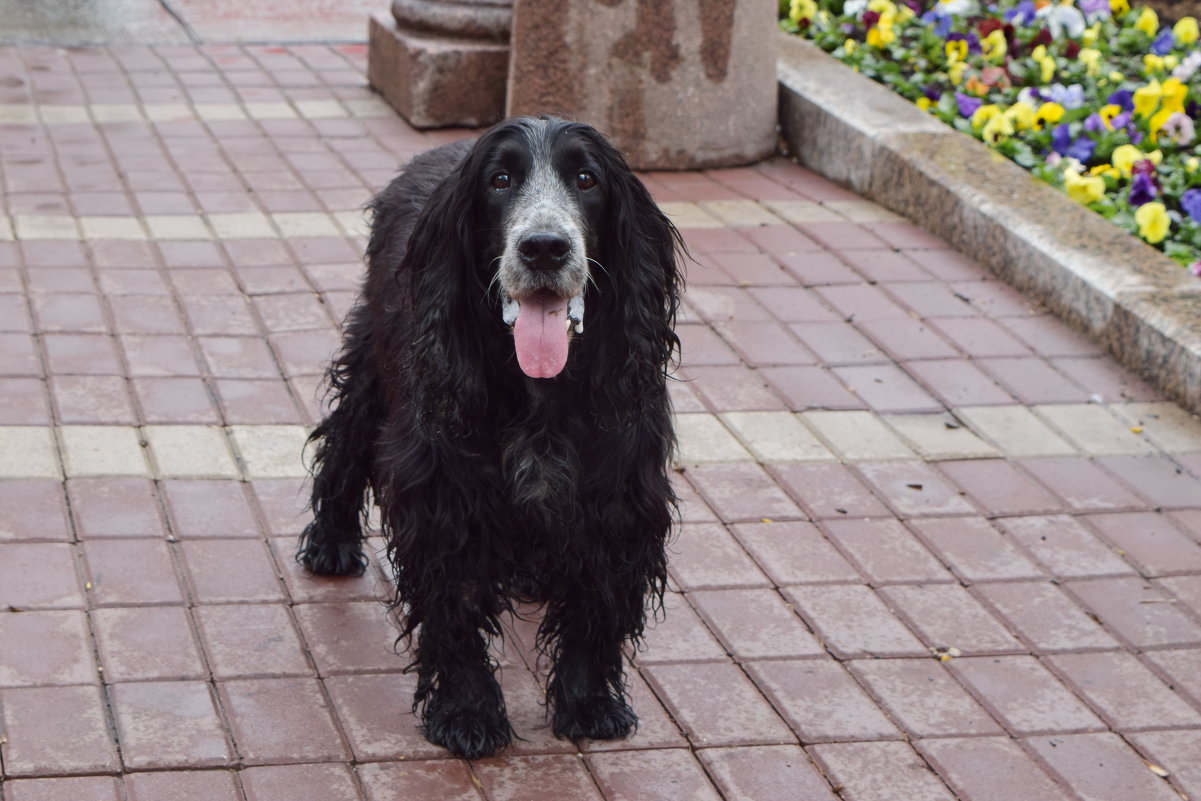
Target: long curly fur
[493, 485]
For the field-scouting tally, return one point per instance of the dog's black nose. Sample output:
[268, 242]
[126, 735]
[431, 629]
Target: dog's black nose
[543, 250]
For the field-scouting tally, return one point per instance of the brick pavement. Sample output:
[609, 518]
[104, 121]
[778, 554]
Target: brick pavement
[935, 545]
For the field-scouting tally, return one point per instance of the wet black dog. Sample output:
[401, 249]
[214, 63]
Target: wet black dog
[515, 450]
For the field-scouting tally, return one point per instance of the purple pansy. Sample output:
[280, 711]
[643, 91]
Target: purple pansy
[1142, 190]
[1163, 43]
[1024, 13]
[1190, 201]
[1095, 124]
[1123, 98]
[1081, 148]
[968, 105]
[941, 22]
[1068, 96]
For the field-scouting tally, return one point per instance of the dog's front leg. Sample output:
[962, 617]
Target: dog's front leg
[586, 633]
[459, 698]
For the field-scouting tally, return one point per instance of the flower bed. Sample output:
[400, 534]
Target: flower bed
[1096, 98]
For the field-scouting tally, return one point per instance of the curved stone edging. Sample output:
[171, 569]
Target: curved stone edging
[1126, 295]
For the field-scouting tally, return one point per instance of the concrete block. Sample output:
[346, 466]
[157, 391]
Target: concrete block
[436, 81]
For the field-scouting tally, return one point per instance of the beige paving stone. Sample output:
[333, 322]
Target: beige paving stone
[1166, 424]
[191, 451]
[177, 226]
[1016, 430]
[702, 438]
[102, 451]
[242, 225]
[263, 110]
[116, 112]
[28, 452]
[690, 215]
[168, 112]
[740, 212]
[939, 436]
[352, 223]
[320, 109]
[856, 435]
[306, 223]
[19, 113]
[271, 451]
[45, 226]
[776, 437]
[219, 112]
[803, 211]
[861, 211]
[64, 115]
[100, 227]
[1093, 429]
[368, 107]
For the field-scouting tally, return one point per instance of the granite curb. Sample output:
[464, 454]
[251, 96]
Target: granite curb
[1126, 295]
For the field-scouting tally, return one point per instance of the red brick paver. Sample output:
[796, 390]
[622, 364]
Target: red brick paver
[935, 544]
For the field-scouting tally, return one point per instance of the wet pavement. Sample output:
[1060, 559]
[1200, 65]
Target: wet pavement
[936, 545]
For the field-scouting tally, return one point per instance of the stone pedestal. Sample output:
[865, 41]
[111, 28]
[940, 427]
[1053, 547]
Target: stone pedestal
[676, 84]
[442, 62]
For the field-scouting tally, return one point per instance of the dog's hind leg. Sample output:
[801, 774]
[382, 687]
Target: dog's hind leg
[332, 544]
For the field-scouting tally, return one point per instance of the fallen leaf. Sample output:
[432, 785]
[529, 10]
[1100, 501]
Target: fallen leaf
[1136, 429]
[914, 486]
[1158, 771]
[766, 520]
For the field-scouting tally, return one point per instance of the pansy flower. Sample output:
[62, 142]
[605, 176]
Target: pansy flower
[968, 105]
[1164, 43]
[1142, 190]
[1186, 31]
[1153, 222]
[1068, 96]
[1025, 12]
[1063, 19]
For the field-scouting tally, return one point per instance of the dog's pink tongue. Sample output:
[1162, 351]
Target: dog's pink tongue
[541, 335]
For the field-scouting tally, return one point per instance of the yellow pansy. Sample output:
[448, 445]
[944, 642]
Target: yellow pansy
[1185, 30]
[849, 46]
[1119, 7]
[1039, 53]
[1091, 34]
[1157, 122]
[1153, 222]
[1047, 65]
[1124, 156]
[985, 113]
[1091, 59]
[1048, 114]
[997, 129]
[956, 51]
[880, 36]
[1153, 63]
[882, 7]
[1116, 77]
[1083, 189]
[1108, 112]
[905, 13]
[1174, 93]
[1021, 114]
[802, 9]
[1170, 61]
[1146, 98]
[923, 103]
[1192, 163]
[1105, 169]
[1147, 22]
[955, 72]
[995, 46]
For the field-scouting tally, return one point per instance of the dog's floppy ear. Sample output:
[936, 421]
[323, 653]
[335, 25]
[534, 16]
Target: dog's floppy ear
[640, 286]
[450, 322]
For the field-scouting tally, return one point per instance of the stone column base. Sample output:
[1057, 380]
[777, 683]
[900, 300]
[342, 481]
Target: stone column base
[676, 84]
[436, 81]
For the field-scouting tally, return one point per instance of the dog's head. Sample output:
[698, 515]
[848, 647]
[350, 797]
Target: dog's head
[543, 187]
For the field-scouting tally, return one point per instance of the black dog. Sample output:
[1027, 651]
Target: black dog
[514, 453]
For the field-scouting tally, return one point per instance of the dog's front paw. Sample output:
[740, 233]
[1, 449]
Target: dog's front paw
[468, 733]
[600, 717]
[326, 556]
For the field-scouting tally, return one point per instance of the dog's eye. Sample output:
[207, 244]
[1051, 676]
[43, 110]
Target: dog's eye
[585, 179]
[501, 181]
